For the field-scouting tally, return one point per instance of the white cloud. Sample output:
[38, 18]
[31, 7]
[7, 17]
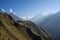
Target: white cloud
[45, 14]
[3, 10]
[26, 17]
[11, 10]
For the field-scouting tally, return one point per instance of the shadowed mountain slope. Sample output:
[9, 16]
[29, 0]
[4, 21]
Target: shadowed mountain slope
[10, 29]
[52, 25]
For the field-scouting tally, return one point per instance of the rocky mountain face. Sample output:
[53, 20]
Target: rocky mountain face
[10, 29]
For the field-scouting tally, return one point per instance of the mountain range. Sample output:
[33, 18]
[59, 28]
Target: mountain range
[51, 24]
[10, 29]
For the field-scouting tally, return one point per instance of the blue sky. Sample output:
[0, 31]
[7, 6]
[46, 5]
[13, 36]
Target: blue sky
[31, 7]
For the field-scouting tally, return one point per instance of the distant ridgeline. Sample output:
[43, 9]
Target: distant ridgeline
[10, 29]
[11, 14]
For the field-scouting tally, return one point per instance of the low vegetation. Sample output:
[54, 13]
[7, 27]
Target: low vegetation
[23, 30]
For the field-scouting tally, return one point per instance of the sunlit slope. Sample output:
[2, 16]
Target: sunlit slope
[22, 30]
[9, 25]
[5, 34]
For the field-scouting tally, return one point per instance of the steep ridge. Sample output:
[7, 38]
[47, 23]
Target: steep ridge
[22, 30]
[9, 25]
[33, 28]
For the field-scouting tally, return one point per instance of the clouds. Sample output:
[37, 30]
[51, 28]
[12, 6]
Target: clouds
[11, 10]
[3, 10]
[45, 14]
[26, 17]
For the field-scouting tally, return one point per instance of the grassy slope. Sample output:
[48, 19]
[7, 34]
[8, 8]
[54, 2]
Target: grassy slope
[5, 35]
[12, 29]
[24, 31]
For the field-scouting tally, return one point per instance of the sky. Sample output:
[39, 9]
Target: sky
[30, 8]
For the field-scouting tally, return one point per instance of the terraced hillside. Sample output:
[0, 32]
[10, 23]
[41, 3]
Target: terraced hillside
[22, 30]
